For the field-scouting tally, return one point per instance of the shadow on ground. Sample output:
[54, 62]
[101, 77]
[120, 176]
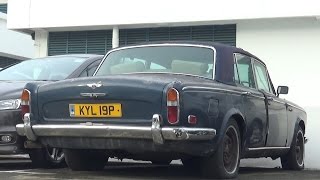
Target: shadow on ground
[123, 171]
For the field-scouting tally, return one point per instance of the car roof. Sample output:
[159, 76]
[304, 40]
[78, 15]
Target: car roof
[217, 46]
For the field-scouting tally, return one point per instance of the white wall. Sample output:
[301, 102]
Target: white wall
[14, 44]
[96, 13]
[290, 48]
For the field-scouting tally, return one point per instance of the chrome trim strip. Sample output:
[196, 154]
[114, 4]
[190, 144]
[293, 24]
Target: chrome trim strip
[211, 88]
[93, 94]
[267, 148]
[277, 101]
[296, 107]
[223, 90]
[154, 132]
[161, 45]
[260, 97]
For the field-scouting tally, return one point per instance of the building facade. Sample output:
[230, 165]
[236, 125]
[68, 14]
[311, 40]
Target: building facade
[14, 46]
[284, 34]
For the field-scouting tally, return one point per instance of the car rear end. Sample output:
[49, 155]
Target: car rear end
[132, 108]
[113, 113]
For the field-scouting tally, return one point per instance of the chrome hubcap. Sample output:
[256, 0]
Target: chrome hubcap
[231, 150]
[55, 154]
[300, 148]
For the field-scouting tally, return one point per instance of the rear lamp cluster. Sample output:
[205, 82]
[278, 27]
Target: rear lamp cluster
[173, 108]
[25, 102]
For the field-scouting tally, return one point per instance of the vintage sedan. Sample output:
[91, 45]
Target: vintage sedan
[204, 103]
[12, 81]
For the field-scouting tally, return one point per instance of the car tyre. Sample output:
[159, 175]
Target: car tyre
[85, 160]
[161, 162]
[294, 159]
[47, 157]
[224, 163]
[192, 163]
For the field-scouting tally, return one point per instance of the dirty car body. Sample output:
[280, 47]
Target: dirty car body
[168, 101]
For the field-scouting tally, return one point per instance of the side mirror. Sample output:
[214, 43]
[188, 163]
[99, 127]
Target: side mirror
[282, 90]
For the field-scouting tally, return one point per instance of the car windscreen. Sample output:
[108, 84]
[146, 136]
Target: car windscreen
[43, 69]
[166, 59]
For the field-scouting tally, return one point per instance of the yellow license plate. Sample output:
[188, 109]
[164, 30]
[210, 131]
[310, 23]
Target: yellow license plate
[95, 110]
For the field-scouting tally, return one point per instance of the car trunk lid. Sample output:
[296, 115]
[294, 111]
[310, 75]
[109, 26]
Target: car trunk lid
[133, 98]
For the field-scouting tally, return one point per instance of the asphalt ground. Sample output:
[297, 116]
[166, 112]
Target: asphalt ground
[20, 168]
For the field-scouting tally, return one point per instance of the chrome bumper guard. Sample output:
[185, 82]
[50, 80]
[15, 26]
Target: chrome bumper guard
[157, 133]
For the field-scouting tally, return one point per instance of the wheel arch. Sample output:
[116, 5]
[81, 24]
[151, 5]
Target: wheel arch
[238, 116]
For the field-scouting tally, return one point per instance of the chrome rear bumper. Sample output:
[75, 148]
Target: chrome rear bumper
[156, 133]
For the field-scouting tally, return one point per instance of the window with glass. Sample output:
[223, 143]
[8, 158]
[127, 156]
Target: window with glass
[155, 59]
[261, 76]
[243, 71]
[44, 69]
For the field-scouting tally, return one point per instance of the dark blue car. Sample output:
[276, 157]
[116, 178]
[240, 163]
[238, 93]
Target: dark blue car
[207, 104]
[12, 81]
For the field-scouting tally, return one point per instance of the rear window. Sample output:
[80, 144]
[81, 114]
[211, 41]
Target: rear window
[44, 69]
[166, 59]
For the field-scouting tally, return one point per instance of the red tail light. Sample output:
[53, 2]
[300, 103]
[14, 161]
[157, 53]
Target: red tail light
[25, 102]
[173, 106]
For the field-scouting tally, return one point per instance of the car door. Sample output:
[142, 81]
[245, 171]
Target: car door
[254, 105]
[276, 108]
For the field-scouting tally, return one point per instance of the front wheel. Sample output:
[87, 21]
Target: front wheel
[47, 157]
[294, 159]
[224, 163]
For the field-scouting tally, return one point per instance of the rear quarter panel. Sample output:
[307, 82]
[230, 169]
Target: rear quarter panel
[212, 103]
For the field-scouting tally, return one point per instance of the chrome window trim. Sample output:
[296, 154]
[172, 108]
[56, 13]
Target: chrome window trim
[170, 73]
[162, 45]
[236, 61]
[266, 71]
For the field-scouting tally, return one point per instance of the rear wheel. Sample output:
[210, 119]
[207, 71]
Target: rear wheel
[47, 157]
[85, 160]
[192, 163]
[224, 163]
[294, 159]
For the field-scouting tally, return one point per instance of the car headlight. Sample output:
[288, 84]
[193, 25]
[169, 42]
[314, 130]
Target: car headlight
[10, 104]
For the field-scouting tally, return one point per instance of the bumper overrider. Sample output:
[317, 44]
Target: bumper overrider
[156, 133]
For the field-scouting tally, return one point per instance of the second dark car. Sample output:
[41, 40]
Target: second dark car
[42, 70]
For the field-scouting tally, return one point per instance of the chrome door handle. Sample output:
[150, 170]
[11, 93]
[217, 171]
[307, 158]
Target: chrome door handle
[270, 98]
[246, 93]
